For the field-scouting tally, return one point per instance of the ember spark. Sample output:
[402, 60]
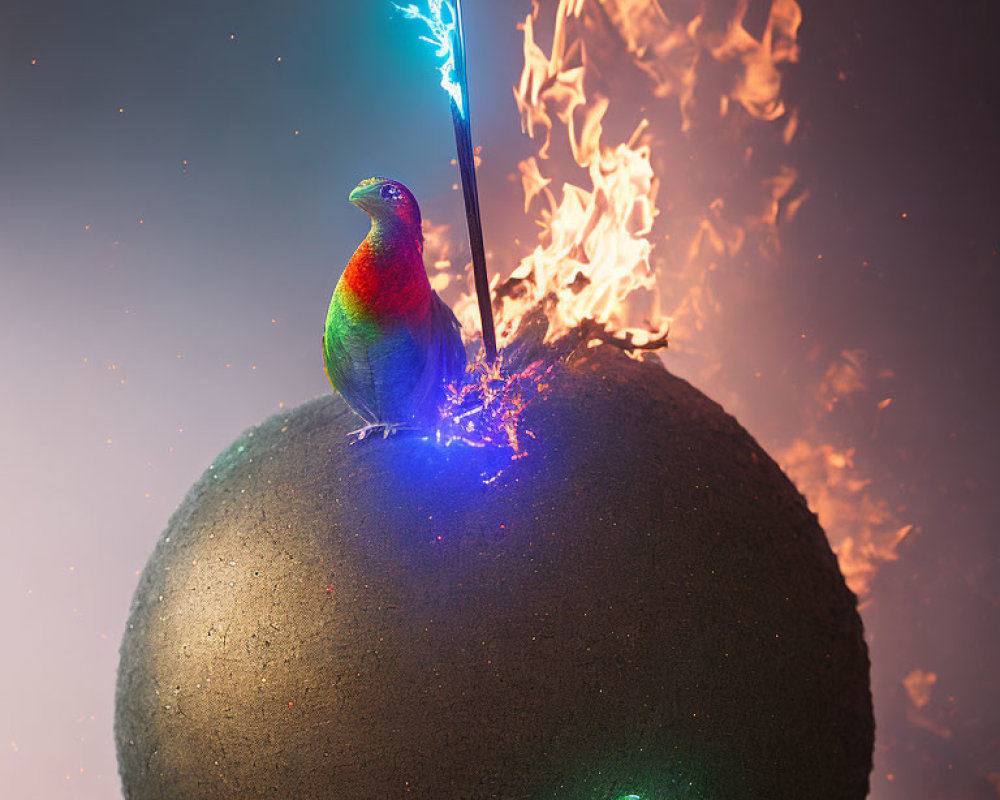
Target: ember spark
[486, 410]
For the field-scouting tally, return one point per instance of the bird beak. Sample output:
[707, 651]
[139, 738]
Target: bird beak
[362, 193]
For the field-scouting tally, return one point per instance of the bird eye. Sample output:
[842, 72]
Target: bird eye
[390, 192]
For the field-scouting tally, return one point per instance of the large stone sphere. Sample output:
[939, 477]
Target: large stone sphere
[643, 605]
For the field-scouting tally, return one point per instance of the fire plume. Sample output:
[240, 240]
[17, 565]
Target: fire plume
[638, 227]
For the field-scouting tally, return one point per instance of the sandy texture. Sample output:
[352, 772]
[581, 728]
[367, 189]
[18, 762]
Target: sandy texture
[644, 604]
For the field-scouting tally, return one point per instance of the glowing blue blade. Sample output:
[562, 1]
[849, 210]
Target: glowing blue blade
[442, 20]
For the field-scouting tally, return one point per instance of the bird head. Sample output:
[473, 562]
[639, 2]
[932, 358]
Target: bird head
[386, 201]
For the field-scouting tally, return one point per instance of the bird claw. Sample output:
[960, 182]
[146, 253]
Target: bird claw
[386, 429]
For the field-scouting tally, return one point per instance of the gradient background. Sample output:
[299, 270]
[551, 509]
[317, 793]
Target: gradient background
[153, 309]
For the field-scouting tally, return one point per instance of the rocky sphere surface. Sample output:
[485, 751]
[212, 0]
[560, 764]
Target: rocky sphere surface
[643, 605]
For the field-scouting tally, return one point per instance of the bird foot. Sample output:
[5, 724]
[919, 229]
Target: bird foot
[383, 428]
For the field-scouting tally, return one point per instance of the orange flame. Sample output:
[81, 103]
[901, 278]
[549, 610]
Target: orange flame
[594, 250]
[918, 685]
[863, 531]
[595, 257]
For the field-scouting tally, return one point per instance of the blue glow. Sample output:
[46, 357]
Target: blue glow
[442, 19]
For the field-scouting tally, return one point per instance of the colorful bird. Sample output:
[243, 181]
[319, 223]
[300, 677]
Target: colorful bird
[391, 345]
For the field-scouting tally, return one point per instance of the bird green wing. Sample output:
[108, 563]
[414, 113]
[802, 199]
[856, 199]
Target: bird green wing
[392, 372]
[346, 360]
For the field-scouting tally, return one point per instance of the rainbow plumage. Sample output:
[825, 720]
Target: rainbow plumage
[391, 345]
